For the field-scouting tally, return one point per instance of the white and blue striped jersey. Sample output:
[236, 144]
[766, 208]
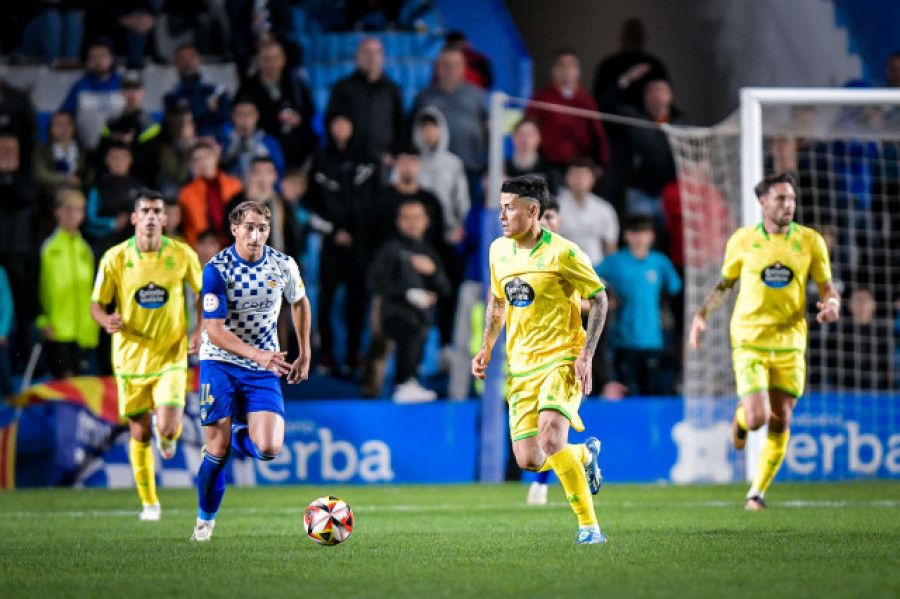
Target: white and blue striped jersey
[248, 296]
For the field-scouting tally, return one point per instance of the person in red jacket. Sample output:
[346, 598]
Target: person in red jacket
[204, 200]
[564, 136]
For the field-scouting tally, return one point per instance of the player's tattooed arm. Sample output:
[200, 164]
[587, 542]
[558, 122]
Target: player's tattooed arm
[716, 297]
[596, 322]
[713, 301]
[495, 316]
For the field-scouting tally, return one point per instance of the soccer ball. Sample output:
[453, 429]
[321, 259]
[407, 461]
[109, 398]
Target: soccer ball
[328, 520]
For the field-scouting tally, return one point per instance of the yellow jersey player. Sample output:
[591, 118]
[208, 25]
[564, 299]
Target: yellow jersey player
[145, 277]
[772, 261]
[537, 281]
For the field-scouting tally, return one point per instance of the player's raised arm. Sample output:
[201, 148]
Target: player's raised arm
[495, 316]
[714, 299]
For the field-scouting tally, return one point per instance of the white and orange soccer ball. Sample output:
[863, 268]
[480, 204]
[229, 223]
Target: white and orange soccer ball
[328, 520]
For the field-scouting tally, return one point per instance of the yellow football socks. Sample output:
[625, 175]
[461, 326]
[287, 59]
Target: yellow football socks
[173, 437]
[581, 455]
[770, 459]
[144, 471]
[741, 419]
[570, 471]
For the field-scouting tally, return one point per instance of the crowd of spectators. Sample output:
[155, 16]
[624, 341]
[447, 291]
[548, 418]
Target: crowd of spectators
[396, 197]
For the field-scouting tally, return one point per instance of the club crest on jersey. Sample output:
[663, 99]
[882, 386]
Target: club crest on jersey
[519, 293]
[777, 275]
[151, 296]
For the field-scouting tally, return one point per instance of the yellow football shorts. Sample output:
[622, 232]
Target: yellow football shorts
[138, 394]
[553, 389]
[755, 370]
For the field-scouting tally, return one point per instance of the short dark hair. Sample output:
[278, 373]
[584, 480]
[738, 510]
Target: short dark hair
[236, 216]
[769, 181]
[410, 201]
[148, 195]
[117, 145]
[426, 118]
[262, 160]
[582, 162]
[408, 149]
[524, 121]
[207, 234]
[560, 52]
[552, 204]
[202, 144]
[638, 222]
[529, 186]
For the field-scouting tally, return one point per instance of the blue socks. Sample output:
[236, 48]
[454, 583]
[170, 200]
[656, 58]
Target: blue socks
[542, 477]
[211, 485]
[240, 440]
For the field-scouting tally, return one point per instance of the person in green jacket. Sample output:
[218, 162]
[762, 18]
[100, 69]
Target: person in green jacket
[66, 282]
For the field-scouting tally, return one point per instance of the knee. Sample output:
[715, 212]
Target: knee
[268, 451]
[755, 418]
[551, 443]
[780, 422]
[167, 429]
[528, 463]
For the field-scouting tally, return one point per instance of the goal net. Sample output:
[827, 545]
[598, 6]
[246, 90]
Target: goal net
[844, 148]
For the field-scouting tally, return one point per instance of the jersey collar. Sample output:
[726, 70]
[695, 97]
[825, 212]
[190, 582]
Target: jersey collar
[242, 261]
[132, 243]
[791, 228]
[544, 240]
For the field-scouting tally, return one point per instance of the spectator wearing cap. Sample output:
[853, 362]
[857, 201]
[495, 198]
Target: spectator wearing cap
[243, 140]
[137, 129]
[566, 136]
[371, 100]
[208, 101]
[284, 102]
[342, 181]
[96, 96]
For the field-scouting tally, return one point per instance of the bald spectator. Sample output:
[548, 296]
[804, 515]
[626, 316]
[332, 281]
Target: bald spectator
[208, 101]
[463, 105]
[371, 100]
[564, 136]
[285, 105]
[631, 59]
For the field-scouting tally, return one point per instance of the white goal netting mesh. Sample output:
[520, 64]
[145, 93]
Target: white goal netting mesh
[847, 162]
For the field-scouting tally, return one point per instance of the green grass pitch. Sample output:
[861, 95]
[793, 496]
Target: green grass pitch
[816, 540]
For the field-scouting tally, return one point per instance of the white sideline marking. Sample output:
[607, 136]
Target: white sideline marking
[878, 503]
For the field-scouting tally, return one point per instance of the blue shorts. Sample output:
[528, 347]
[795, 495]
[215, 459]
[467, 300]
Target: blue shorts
[231, 390]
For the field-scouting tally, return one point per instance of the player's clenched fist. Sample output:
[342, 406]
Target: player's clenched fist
[113, 323]
[480, 363]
